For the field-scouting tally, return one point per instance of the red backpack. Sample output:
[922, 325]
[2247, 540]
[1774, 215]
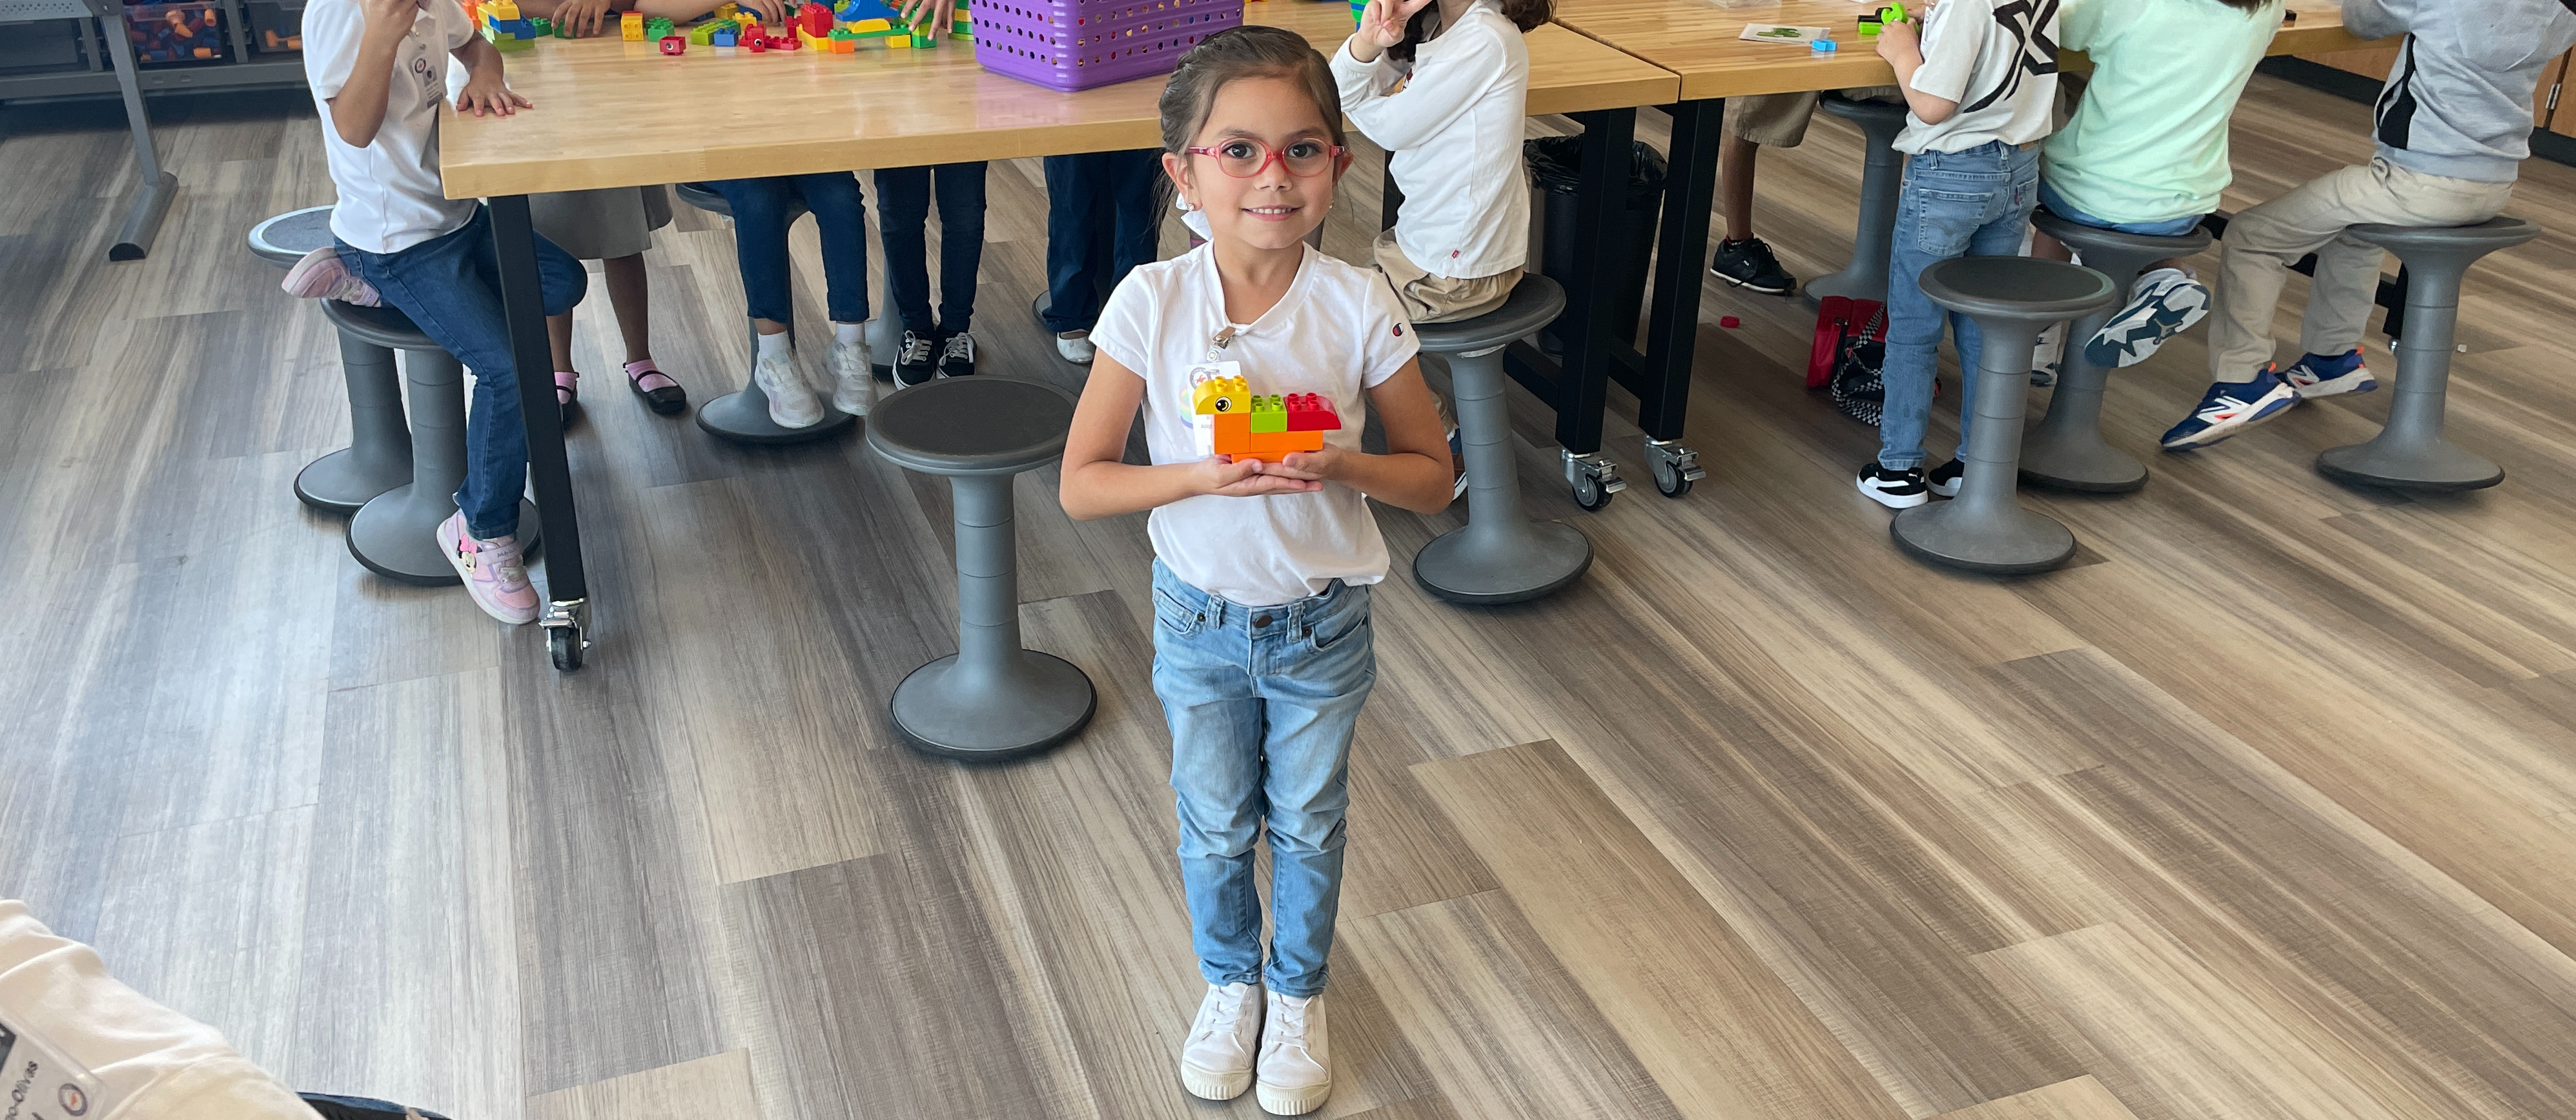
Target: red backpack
[1840, 322]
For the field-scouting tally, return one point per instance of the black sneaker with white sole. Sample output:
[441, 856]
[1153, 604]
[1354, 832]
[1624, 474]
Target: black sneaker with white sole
[1944, 479]
[912, 363]
[1893, 489]
[957, 356]
[1749, 264]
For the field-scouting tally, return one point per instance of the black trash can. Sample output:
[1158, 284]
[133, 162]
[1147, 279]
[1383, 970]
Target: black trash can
[1556, 170]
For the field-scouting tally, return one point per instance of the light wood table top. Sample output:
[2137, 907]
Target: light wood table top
[1701, 41]
[612, 113]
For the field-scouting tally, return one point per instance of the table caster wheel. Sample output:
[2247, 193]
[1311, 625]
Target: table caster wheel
[1595, 480]
[1590, 494]
[563, 644]
[1675, 467]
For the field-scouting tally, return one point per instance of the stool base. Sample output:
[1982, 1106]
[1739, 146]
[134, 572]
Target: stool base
[2094, 469]
[1485, 568]
[743, 417]
[2434, 467]
[1035, 702]
[2003, 541]
[396, 537]
[340, 483]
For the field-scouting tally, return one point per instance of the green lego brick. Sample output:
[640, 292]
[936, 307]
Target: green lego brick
[539, 27]
[657, 28]
[1269, 414]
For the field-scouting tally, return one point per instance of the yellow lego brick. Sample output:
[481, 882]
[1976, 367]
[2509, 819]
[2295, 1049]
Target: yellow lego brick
[867, 25]
[898, 42]
[501, 9]
[631, 25]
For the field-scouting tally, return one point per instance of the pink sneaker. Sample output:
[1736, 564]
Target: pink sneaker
[492, 570]
[322, 275]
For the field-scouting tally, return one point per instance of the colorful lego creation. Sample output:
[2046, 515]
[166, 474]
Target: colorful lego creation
[1251, 426]
[502, 24]
[631, 27]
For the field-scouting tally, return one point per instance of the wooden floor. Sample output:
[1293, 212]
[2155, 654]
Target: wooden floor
[2264, 808]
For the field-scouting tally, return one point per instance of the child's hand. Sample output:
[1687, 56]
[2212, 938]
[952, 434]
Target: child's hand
[390, 17]
[769, 11]
[1382, 25]
[583, 16]
[1229, 477]
[940, 14]
[1308, 466]
[1899, 41]
[484, 93]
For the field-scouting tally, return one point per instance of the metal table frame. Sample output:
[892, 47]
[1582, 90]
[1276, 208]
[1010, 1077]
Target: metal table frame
[155, 187]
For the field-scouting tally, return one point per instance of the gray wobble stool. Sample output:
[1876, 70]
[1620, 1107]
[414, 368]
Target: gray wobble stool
[2410, 453]
[1882, 175]
[378, 457]
[992, 699]
[743, 416]
[395, 534]
[2012, 299]
[1499, 555]
[2065, 451]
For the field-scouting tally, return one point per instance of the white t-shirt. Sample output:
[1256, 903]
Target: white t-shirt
[1338, 332]
[1453, 119]
[390, 197]
[1998, 60]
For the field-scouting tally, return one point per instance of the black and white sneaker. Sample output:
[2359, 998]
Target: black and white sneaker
[957, 356]
[912, 363]
[1944, 479]
[1749, 264]
[1893, 489]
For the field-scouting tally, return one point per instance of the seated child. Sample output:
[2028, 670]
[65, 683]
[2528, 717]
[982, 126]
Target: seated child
[761, 209]
[1752, 123]
[2453, 126]
[2146, 150]
[1980, 82]
[378, 76]
[1262, 645]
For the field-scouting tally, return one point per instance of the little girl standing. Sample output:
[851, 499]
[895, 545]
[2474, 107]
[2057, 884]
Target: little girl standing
[1262, 648]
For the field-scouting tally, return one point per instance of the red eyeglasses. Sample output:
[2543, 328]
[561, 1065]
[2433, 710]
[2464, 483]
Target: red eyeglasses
[1243, 157]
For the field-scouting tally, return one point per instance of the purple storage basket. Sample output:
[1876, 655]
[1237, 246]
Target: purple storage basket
[1078, 44]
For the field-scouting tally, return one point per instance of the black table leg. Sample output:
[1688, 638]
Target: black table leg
[1672, 320]
[567, 612]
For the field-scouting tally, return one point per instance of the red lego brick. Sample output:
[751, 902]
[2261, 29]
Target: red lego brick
[1310, 412]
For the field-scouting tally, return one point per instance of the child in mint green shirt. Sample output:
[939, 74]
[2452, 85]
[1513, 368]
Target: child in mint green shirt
[2146, 150]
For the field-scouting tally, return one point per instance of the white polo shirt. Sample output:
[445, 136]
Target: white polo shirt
[1338, 332]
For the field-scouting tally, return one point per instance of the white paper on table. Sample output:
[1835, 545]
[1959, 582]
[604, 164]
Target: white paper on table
[1784, 33]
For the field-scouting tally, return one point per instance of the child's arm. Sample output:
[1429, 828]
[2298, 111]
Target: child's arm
[1902, 47]
[1097, 482]
[1414, 472]
[358, 110]
[1431, 100]
[2375, 19]
[484, 90]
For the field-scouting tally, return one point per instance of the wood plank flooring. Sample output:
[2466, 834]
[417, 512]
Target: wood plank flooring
[2265, 808]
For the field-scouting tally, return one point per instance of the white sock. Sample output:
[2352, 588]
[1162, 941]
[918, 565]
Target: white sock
[848, 334]
[774, 345]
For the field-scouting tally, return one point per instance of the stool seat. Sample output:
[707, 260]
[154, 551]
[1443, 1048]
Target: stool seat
[1862, 111]
[383, 326]
[2017, 289]
[2412, 242]
[972, 426]
[286, 238]
[2094, 240]
[1535, 302]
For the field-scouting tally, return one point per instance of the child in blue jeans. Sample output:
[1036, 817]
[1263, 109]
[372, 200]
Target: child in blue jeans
[378, 69]
[1981, 81]
[1262, 654]
[761, 210]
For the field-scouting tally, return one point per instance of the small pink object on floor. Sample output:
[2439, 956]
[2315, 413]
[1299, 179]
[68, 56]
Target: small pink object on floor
[1729, 322]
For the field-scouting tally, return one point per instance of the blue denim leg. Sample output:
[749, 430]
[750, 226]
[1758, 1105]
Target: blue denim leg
[2057, 204]
[1103, 218]
[903, 212]
[450, 287]
[1262, 702]
[761, 209]
[1971, 203]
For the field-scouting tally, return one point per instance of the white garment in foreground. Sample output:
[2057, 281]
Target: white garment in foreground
[1453, 120]
[1338, 332]
[151, 1063]
[390, 193]
[1998, 60]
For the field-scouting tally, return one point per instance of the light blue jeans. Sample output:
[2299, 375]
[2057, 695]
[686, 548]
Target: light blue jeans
[2057, 204]
[1974, 203]
[1262, 702]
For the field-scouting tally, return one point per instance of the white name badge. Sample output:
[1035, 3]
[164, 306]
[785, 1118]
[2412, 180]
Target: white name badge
[38, 1083]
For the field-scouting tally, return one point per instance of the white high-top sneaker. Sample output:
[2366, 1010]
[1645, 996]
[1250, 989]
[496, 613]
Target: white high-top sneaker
[1216, 1062]
[854, 385]
[792, 403]
[1296, 1064]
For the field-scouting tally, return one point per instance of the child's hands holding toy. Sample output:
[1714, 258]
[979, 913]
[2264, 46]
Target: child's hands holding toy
[1316, 467]
[1900, 40]
[1228, 477]
[1382, 25]
[583, 16]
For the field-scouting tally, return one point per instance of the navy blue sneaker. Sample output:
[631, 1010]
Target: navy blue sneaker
[2318, 375]
[2231, 407]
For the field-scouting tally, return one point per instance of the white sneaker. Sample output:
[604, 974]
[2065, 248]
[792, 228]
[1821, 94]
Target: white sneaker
[1296, 1063]
[2048, 355]
[854, 384]
[1216, 1062]
[791, 401]
[2162, 304]
[1075, 346]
